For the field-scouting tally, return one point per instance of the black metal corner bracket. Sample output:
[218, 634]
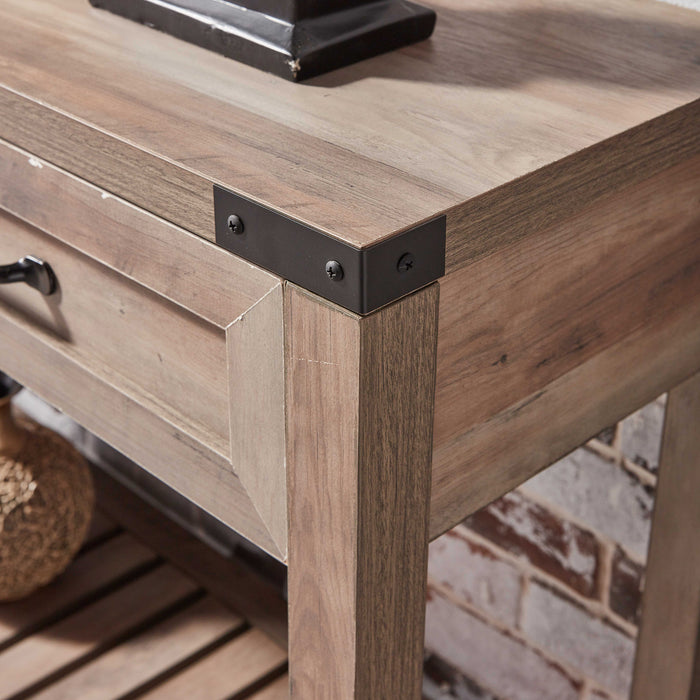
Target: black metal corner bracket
[295, 39]
[359, 279]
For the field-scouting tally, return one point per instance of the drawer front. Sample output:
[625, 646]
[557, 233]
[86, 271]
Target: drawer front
[144, 343]
[135, 344]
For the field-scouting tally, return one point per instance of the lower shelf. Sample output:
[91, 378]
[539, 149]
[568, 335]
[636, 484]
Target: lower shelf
[124, 622]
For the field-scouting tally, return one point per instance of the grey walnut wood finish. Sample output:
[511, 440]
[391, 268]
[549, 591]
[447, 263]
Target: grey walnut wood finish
[567, 163]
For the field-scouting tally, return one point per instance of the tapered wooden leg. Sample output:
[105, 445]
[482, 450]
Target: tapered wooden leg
[666, 667]
[360, 394]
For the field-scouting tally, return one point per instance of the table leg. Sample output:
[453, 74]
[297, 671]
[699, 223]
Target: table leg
[360, 394]
[667, 657]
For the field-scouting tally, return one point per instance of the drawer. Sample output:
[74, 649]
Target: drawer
[135, 343]
[146, 344]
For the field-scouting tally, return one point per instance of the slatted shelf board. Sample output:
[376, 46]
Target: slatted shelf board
[122, 622]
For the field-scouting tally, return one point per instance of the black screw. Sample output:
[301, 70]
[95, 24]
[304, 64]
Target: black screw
[406, 263]
[235, 224]
[334, 270]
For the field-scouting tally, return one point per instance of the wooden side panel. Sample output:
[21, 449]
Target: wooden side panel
[538, 337]
[665, 666]
[256, 388]
[495, 457]
[570, 186]
[520, 319]
[359, 417]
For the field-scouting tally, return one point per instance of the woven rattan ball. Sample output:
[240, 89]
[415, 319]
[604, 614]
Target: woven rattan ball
[46, 503]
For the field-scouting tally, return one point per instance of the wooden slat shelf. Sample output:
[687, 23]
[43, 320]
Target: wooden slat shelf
[122, 622]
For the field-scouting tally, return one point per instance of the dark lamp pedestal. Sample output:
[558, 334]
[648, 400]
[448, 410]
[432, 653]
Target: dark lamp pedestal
[295, 39]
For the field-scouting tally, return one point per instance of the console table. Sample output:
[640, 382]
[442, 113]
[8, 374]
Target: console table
[340, 316]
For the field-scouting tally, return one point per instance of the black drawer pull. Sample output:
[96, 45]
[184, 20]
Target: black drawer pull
[31, 270]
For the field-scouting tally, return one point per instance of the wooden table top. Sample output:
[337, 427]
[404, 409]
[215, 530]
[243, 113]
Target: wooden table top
[504, 89]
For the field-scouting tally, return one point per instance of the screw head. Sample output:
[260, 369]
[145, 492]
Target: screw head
[235, 224]
[334, 270]
[406, 263]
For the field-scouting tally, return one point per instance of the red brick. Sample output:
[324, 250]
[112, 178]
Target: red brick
[601, 494]
[476, 575]
[607, 435]
[594, 647]
[441, 681]
[598, 695]
[640, 436]
[496, 660]
[556, 546]
[626, 581]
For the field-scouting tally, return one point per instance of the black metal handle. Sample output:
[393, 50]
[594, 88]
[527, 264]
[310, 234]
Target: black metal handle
[8, 386]
[31, 270]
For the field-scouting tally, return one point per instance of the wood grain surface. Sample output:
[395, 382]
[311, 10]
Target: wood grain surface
[359, 416]
[121, 623]
[544, 305]
[245, 661]
[504, 89]
[532, 340]
[91, 573]
[665, 666]
[241, 589]
[255, 345]
[179, 266]
[127, 278]
[68, 641]
[545, 152]
[279, 690]
[494, 457]
[129, 666]
[171, 357]
[139, 427]
[573, 186]
[148, 313]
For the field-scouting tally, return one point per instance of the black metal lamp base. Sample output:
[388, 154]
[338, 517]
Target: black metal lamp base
[296, 49]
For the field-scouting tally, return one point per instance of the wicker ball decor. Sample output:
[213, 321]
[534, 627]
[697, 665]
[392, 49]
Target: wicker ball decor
[46, 502]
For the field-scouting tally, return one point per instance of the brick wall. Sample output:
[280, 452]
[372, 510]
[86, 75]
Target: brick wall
[537, 596]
